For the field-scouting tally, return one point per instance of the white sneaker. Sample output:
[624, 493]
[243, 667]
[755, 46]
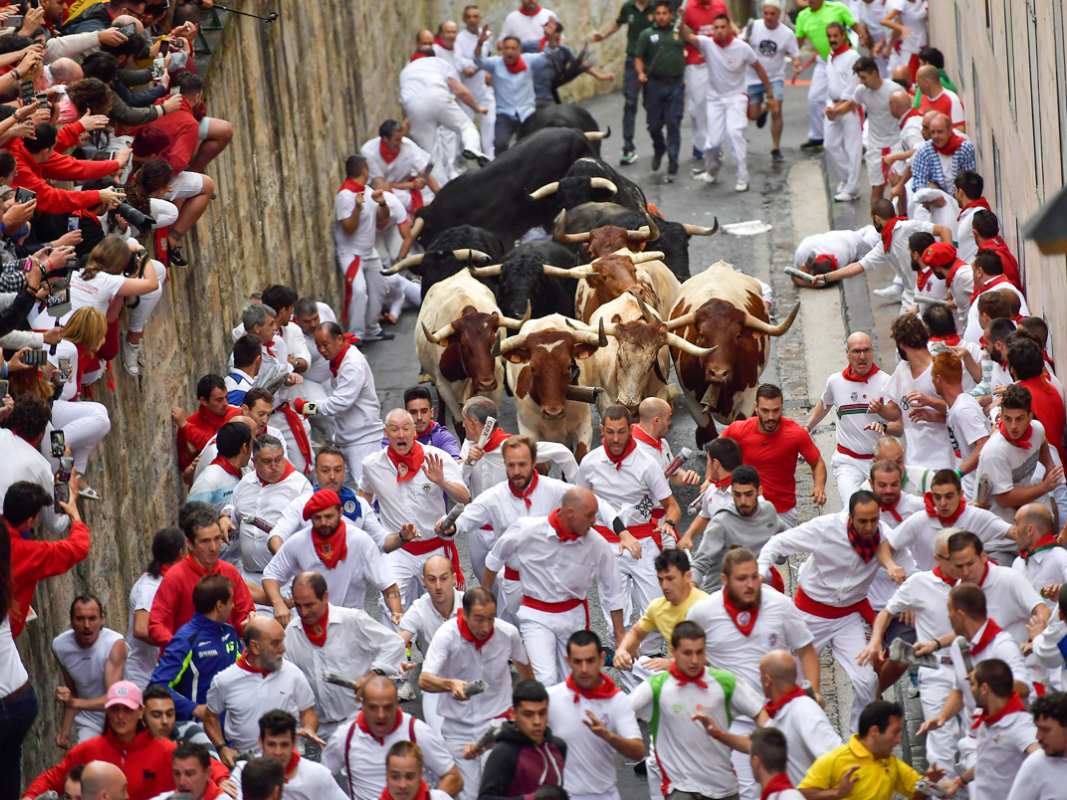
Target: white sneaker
[706, 177]
[892, 290]
[844, 197]
[131, 357]
[741, 186]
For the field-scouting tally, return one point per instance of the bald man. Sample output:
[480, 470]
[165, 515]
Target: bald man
[102, 780]
[558, 560]
[935, 97]
[650, 432]
[914, 480]
[850, 392]
[1040, 559]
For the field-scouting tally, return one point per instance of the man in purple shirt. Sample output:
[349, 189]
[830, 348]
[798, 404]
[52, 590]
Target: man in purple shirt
[418, 401]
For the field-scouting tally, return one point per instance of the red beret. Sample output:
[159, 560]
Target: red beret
[939, 254]
[321, 500]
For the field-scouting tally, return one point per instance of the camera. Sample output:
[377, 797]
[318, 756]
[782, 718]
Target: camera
[24, 195]
[58, 442]
[135, 266]
[137, 218]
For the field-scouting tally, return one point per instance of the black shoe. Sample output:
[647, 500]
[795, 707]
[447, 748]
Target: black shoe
[640, 768]
[628, 157]
[177, 258]
[761, 120]
[811, 144]
[777, 157]
[657, 161]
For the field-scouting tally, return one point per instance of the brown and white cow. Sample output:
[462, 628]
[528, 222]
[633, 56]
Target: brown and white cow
[723, 309]
[635, 363]
[456, 340]
[541, 361]
[642, 273]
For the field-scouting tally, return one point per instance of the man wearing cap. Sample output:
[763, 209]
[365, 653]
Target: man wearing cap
[342, 553]
[143, 759]
[944, 260]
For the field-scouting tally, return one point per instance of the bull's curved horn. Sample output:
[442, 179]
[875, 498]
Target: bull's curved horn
[545, 191]
[659, 372]
[647, 255]
[644, 233]
[405, 263]
[686, 346]
[646, 312]
[490, 271]
[603, 183]
[574, 238]
[700, 230]
[515, 324]
[497, 341]
[599, 337]
[682, 321]
[512, 343]
[470, 254]
[416, 227]
[596, 136]
[574, 273]
[757, 324]
[435, 337]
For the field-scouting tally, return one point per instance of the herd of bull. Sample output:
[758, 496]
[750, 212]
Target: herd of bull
[597, 314]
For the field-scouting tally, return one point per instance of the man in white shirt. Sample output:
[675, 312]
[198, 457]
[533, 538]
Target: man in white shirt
[969, 196]
[478, 647]
[593, 716]
[398, 165]
[851, 392]
[527, 22]
[1041, 559]
[823, 252]
[768, 758]
[654, 416]
[884, 104]
[410, 483]
[723, 457]
[965, 421]
[773, 43]
[308, 314]
[906, 20]
[405, 777]
[988, 276]
[948, 266]
[727, 58]
[474, 78]
[1044, 772]
[215, 485]
[23, 461]
[327, 638]
[843, 139]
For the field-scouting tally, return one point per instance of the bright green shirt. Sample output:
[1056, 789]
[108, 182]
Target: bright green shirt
[811, 25]
[636, 21]
[663, 52]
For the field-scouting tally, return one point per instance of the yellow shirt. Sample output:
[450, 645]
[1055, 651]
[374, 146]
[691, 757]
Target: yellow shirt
[876, 779]
[662, 616]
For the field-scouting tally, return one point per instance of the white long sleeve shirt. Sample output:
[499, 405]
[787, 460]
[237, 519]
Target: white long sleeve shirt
[292, 519]
[252, 497]
[916, 534]
[489, 470]
[352, 401]
[634, 489]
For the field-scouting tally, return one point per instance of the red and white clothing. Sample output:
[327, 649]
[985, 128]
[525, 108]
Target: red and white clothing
[422, 620]
[352, 403]
[999, 745]
[973, 331]
[772, 47]
[1045, 564]
[589, 772]
[292, 519]
[966, 246]
[526, 27]
[966, 425]
[926, 442]
[843, 139]
[1009, 597]
[1007, 465]
[398, 166]
[844, 246]
[891, 516]
[86, 667]
[727, 101]
[244, 694]
[894, 254]
[912, 15]
[948, 103]
[959, 282]
[850, 395]
[352, 644]
[141, 657]
[489, 470]
[988, 642]
[252, 498]
[807, 730]
[304, 780]
[358, 756]
[1039, 777]
[465, 46]
[555, 577]
[699, 16]
[84, 422]
[913, 539]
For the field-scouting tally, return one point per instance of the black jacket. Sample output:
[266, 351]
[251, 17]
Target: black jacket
[516, 768]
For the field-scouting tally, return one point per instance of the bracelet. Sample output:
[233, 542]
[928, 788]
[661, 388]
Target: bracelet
[18, 75]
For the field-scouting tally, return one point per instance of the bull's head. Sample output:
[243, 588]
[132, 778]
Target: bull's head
[573, 191]
[610, 237]
[470, 343]
[546, 357]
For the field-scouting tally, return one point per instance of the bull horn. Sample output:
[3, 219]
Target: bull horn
[497, 341]
[574, 238]
[436, 336]
[644, 233]
[646, 312]
[470, 254]
[757, 324]
[574, 273]
[512, 343]
[545, 191]
[405, 263]
[682, 321]
[491, 271]
[648, 255]
[560, 234]
[603, 183]
[599, 337]
[700, 230]
[515, 324]
[416, 227]
[596, 136]
[686, 346]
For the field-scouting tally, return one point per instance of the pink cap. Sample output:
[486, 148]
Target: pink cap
[124, 693]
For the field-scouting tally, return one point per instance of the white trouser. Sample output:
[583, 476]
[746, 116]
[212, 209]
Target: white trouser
[727, 119]
[479, 543]
[430, 714]
[846, 637]
[934, 689]
[545, 634]
[509, 598]
[292, 449]
[445, 155]
[401, 293]
[457, 736]
[354, 455]
[696, 102]
[436, 108]
[140, 314]
[640, 588]
[375, 296]
[748, 789]
[817, 100]
[849, 474]
[84, 424]
[486, 122]
[356, 321]
[844, 151]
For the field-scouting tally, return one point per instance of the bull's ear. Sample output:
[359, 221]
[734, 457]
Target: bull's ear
[519, 355]
[523, 384]
[584, 350]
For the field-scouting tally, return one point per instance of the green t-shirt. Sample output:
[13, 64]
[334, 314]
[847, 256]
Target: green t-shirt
[663, 52]
[812, 24]
[636, 21]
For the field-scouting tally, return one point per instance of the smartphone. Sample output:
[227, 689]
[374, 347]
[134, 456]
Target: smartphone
[24, 195]
[128, 30]
[58, 441]
[60, 493]
[73, 223]
[14, 21]
[3, 389]
[35, 358]
[26, 91]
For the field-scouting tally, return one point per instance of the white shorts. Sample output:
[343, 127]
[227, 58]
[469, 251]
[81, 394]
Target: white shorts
[185, 185]
[877, 172]
[201, 132]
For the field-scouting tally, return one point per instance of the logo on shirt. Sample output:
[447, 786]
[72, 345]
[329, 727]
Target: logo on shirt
[644, 508]
[772, 640]
[768, 47]
[654, 38]
[744, 618]
[349, 507]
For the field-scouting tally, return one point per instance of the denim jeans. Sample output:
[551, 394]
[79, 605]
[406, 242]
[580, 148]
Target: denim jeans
[16, 717]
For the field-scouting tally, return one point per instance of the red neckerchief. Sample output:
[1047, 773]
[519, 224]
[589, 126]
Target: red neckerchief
[467, 634]
[289, 470]
[412, 461]
[387, 153]
[242, 662]
[630, 447]
[887, 232]
[290, 768]
[922, 278]
[1023, 442]
[951, 146]
[604, 690]
[227, 467]
[333, 548]
[725, 44]
[496, 438]
[269, 347]
[557, 525]
[317, 633]
[981, 202]
[892, 511]
[536, 10]
[779, 783]
[951, 274]
[844, 48]
[827, 257]
[423, 793]
[683, 679]
[361, 723]
[437, 40]
[912, 112]
[946, 522]
[999, 280]
[335, 362]
[1046, 542]
[724, 483]
[524, 495]
[417, 55]
[988, 635]
[865, 548]
[517, 67]
[950, 581]
[985, 574]
[1013, 706]
[952, 340]
[352, 185]
[637, 432]
[199, 569]
[774, 706]
[735, 614]
[850, 374]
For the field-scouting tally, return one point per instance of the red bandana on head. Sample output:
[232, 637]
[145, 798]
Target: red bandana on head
[335, 362]
[987, 637]
[408, 465]
[422, 794]
[631, 445]
[317, 633]
[778, 783]
[774, 706]
[468, 634]
[524, 495]
[683, 679]
[562, 533]
[865, 548]
[1013, 706]
[850, 374]
[951, 146]
[1023, 442]
[332, 549]
[387, 153]
[887, 232]
[946, 522]
[496, 438]
[743, 618]
[517, 67]
[227, 467]
[637, 432]
[604, 690]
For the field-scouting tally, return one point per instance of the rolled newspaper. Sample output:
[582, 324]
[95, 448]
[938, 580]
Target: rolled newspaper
[487, 431]
[677, 461]
[448, 521]
[798, 273]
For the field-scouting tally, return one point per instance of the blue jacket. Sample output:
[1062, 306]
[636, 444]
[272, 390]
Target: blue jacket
[200, 649]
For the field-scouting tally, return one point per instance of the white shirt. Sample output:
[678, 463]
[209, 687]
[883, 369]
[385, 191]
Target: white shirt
[347, 582]
[808, 732]
[973, 331]
[318, 369]
[498, 507]
[883, 129]
[841, 81]
[779, 626]
[1002, 647]
[418, 501]
[1007, 466]
[361, 241]
[871, 14]
[966, 424]
[916, 534]
[715, 499]
[355, 644]
[526, 27]
[86, 668]
[1044, 567]
[590, 765]
[141, 657]
[927, 595]
[466, 43]
[213, 486]
[834, 574]
[246, 696]
[424, 76]
[1010, 599]
[555, 571]
[266, 502]
[771, 47]
[96, 292]
[211, 452]
[726, 65]
[352, 401]
[844, 245]
[292, 519]
[410, 160]
[1041, 777]
[883, 587]
[422, 620]
[1001, 750]
[926, 442]
[851, 399]
[452, 656]
[899, 256]
[12, 673]
[489, 470]
[311, 781]
[913, 17]
[23, 462]
[966, 247]
[693, 761]
[634, 489]
[359, 756]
